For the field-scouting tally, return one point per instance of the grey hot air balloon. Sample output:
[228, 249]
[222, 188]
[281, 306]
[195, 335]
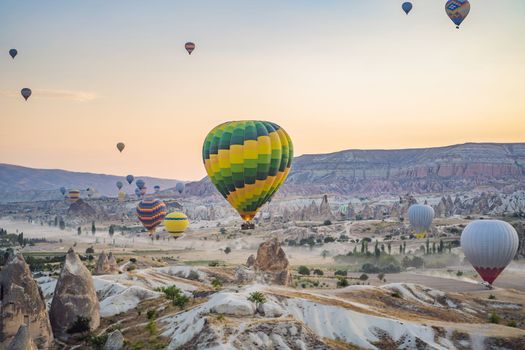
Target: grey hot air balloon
[189, 47]
[130, 179]
[179, 187]
[119, 184]
[26, 92]
[489, 245]
[140, 183]
[13, 53]
[420, 217]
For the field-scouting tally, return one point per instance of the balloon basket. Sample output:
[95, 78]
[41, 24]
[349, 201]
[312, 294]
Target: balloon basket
[247, 226]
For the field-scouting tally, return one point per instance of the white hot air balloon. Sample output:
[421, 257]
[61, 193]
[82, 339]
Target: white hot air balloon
[489, 245]
[420, 217]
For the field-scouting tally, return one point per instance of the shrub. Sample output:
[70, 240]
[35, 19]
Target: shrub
[303, 270]
[227, 250]
[133, 260]
[151, 327]
[177, 297]
[329, 239]
[97, 342]
[193, 275]
[342, 282]
[380, 276]
[492, 296]
[80, 325]
[318, 272]
[257, 298]
[216, 283]
[213, 263]
[396, 294]
[341, 273]
[131, 268]
[90, 250]
[151, 314]
[363, 277]
[327, 222]
[459, 273]
[512, 324]
[494, 317]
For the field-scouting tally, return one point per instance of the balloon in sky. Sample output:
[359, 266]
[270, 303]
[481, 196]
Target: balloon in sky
[137, 192]
[420, 217]
[121, 146]
[457, 10]
[73, 196]
[130, 179]
[119, 184]
[156, 188]
[489, 245]
[247, 161]
[13, 53]
[179, 187]
[140, 183]
[176, 223]
[26, 92]
[63, 190]
[189, 47]
[151, 212]
[121, 196]
[407, 7]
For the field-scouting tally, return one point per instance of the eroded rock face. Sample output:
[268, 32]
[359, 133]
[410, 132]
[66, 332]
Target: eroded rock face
[22, 340]
[250, 261]
[271, 263]
[22, 302]
[115, 341]
[74, 296]
[113, 266]
[102, 264]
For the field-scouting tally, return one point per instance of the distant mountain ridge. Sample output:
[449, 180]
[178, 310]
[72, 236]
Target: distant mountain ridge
[26, 184]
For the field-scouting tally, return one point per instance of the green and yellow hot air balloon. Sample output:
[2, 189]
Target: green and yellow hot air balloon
[247, 161]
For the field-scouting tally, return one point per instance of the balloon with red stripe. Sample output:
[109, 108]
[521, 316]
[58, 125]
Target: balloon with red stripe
[151, 212]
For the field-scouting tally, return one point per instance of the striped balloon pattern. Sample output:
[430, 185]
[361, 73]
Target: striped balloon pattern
[457, 10]
[420, 217]
[489, 245]
[73, 196]
[151, 212]
[247, 161]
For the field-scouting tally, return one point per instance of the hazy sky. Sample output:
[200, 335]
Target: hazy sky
[335, 74]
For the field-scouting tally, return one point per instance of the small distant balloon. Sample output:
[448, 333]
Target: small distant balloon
[179, 187]
[189, 47]
[407, 7]
[119, 184]
[457, 10]
[63, 190]
[13, 53]
[137, 192]
[121, 146]
[26, 92]
[156, 188]
[130, 179]
[140, 183]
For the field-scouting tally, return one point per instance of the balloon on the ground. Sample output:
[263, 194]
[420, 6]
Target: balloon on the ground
[13, 53]
[119, 184]
[151, 212]
[130, 179]
[156, 188]
[420, 217]
[176, 223]
[179, 187]
[121, 146]
[73, 196]
[189, 47]
[247, 161]
[407, 7]
[63, 190]
[489, 245]
[140, 183]
[457, 11]
[26, 93]
[121, 196]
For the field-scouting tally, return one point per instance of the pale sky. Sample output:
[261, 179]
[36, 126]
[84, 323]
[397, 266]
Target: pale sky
[335, 74]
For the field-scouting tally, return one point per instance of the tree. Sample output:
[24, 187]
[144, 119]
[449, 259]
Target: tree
[62, 224]
[257, 297]
[93, 228]
[389, 247]
[342, 282]
[111, 230]
[441, 248]
[325, 253]
[56, 220]
[227, 250]
[363, 277]
[79, 230]
[428, 245]
[222, 231]
[303, 270]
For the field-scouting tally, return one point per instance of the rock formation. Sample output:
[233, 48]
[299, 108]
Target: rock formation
[22, 340]
[115, 341]
[75, 297]
[113, 266]
[81, 209]
[250, 261]
[106, 264]
[271, 263]
[324, 210]
[22, 302]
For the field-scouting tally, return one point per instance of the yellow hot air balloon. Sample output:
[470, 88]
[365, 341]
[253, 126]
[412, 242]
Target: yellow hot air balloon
[73, 196]
[176, 223]
[121, 196]
[247, 161]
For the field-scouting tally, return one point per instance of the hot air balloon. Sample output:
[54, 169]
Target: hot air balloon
[130, 179]
[457, 10]
[151, 212]
[119, 184]
[137, 192]
[407, 7]
[156, 188]
[189, 47]
[121, 196]
[140, 183]
[13, 53]
[143, 191]
[73, 196]
[176, 223]
[90, 192]
[120, 146]
[489, 245]
[420, 217]
[247, 161]
[26, 92]
[63, 190]
[179, 187]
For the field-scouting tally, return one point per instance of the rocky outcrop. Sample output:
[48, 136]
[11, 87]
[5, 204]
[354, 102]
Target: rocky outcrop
[22, 302]
[75, 297]
[22, 340]
[271, 264]
[113, 266]
[81, 209]
[324, 209]
[115, 341]
[106, 264]
[250, 261]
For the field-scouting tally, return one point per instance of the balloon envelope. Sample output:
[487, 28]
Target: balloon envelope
[176, 223]
[457, 10]
[189, 47]
[63, 190]
[156, 188]
[179, 187]
[26, 92]
[489, 245]
[420, 217]
[151, 212]
[130, 179]
[137, 192]
[407, 6]
[247, 161]
[73, 196]
[119, 184]
[13, 53]
[120, 146]
[140, 183]
[121, 196]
